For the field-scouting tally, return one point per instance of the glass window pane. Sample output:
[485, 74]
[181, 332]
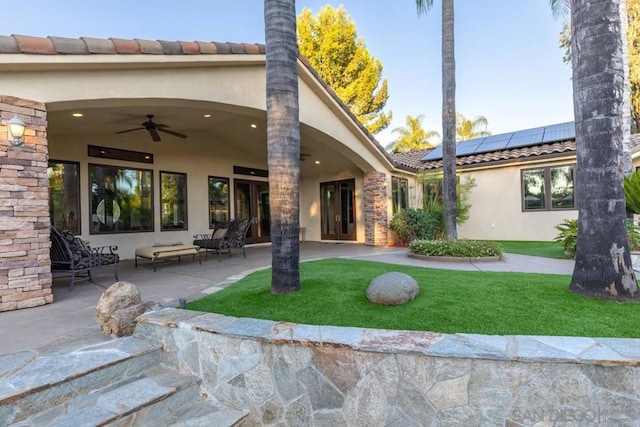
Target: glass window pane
[173, 204]
[403, 196]
[64, 200]
[121, 199]
[533, 188]
[218, 200]
[562, 196]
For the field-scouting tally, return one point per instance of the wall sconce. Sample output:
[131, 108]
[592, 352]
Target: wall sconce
[15, 131]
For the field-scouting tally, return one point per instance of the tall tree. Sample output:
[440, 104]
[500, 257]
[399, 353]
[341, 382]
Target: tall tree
[603, 263]
[469, 129]
[283, 143]
[448, 113]
[633, 50]
[331, 44]
[413, 136]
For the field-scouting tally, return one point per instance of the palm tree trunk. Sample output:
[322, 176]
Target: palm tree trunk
[449, 119]
[603, 263]
[283, 143]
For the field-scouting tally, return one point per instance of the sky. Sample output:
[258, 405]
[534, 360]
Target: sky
[509, 67]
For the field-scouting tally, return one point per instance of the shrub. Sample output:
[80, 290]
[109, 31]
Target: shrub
[433, 198]
[411, 224]
[568, 235]
[456, 248]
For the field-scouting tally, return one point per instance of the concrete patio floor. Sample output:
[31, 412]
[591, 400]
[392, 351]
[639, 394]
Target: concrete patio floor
[28, 328]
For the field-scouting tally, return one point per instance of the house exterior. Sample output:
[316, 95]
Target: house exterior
[524, 181]
[138, 142]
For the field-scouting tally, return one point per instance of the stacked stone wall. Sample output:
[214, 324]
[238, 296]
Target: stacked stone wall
[375, 209]
[25, 266]
[289, 374]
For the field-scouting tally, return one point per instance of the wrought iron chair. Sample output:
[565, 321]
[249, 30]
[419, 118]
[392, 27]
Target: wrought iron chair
[225, 237]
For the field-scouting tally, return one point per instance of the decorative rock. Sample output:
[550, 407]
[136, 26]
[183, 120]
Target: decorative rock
[118, 308]
[392, 289]
[122, 322]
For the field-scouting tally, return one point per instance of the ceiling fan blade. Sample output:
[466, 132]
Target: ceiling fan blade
[154, 135]
[174, 133]
[129, 130]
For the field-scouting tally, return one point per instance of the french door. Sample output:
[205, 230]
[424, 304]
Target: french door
[338, 206]
[252, 202]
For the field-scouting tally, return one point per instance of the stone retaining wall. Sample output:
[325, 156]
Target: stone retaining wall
[25, 266]
[292, 374]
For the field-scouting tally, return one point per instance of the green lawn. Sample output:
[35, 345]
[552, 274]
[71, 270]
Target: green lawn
[542, 249]
[333, 293]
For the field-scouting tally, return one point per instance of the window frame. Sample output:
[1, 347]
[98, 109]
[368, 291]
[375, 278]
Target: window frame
[397, 193]
[78, 212]
[185, 202]
[211, 178]
[151, 202]
[547, 189]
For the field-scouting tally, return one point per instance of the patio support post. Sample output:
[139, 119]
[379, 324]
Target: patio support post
[375, 209]
[25, 265]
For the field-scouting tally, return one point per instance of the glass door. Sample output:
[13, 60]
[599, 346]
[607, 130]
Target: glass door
[337, 204]
[252, 202]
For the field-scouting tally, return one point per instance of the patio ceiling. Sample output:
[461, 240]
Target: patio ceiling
[227, 125]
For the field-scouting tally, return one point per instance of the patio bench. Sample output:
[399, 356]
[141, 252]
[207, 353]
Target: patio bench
[155, 253]
[69, 253]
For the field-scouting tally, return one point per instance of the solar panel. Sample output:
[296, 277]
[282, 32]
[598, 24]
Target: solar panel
[520, 140]
[559, 132]
[494, 143]
[466, 148]
[435, 154]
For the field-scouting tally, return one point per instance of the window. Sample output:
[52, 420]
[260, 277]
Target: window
[399, 193]
[548, 188]
[64, 199]
[173, 204]
[121, 199]
[218, 200]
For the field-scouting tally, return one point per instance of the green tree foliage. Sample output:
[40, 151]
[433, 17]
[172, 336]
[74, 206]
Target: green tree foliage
[331, 44]
[413, 136]
[433, 198]
[469, 129]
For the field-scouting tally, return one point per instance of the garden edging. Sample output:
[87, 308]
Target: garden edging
[453, 258]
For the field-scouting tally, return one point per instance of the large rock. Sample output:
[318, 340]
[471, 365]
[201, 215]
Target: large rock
[392, 289]
[118, 308]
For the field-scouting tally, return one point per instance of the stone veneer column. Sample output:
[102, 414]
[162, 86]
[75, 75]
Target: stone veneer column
[375, 209]
[25, 266]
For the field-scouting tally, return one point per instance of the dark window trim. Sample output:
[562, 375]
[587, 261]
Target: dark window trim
[396, 202]
[79, 207]
[209, 178]
[119, 154]
[547, 188]
[153, 213]
[186, 201]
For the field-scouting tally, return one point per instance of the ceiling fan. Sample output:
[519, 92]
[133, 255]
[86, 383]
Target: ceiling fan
[153, 129]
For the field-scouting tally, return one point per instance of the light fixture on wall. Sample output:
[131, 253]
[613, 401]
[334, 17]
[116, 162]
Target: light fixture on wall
[15, 131]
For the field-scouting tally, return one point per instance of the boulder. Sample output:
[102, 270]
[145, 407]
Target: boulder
[118, 308]
[392, 289]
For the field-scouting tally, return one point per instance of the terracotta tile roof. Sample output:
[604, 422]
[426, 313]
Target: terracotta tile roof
[411, 159]
[89, 45]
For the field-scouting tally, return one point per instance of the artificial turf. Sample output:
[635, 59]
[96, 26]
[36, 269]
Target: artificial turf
[493, 303]
[541, 249]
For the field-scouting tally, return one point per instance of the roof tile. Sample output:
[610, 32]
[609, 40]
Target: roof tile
[8, 45]
[237, 47]
[190, 48]
[223, 48]
[125, 46]
[208, 47]
[68, 46]
[251, 48]
[29, 44]
[151, 47]
[171, 48]
[99, 46]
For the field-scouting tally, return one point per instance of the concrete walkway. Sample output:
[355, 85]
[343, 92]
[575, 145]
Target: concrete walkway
[28, 328]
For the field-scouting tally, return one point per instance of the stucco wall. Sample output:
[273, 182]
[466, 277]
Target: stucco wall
[290, 374]
[496, 207]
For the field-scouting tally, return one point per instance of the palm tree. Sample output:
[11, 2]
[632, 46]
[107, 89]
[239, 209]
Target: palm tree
[413, 136]
[448, 113]
[283, 143]
[470, 129]
[603, 264]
